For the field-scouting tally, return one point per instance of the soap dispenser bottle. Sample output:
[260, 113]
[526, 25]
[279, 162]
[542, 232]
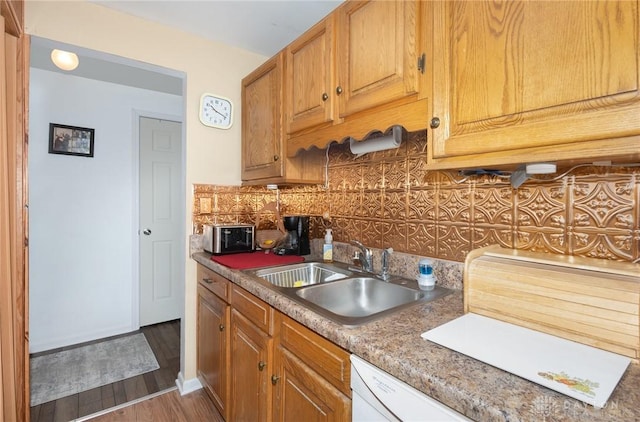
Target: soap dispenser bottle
[327, 248]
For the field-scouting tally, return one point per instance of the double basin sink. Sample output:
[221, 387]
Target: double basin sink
[342, 293]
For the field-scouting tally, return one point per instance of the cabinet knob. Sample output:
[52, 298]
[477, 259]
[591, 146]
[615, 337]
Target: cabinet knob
[435, 122]
[325, 96]
[276, 157]
[274, 379]
[221, 327]
[261, 365]
[339, 90]
[207, 280]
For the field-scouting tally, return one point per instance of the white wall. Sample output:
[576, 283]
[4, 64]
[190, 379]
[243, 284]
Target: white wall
[81, 209]
[212, 156]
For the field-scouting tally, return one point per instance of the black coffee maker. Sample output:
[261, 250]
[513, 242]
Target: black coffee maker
[296, 240]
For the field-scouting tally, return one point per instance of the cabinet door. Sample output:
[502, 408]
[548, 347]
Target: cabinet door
[213, 344]
[262, 121]
[303, 395]
[511, 74]
[325, 358]
[377, 53]
[310, 77]
[251, 369]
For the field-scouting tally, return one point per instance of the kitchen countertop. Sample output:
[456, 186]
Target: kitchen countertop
[477, 390]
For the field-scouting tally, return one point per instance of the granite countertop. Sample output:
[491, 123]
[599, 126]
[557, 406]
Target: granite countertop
[479, 391]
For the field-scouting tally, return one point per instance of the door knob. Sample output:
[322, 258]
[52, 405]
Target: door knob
[435, 122]
[147, 232]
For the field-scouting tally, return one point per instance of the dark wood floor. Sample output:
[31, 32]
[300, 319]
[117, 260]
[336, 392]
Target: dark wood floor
[164, 340]
[170, 407]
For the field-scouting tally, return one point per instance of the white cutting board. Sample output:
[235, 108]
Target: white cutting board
[577, 370]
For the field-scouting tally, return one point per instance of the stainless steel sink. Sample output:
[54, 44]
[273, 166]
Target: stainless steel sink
[361, 296]
[343, 295]
[305, 274]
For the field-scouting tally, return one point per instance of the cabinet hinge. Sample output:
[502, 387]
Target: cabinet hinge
[422, 62]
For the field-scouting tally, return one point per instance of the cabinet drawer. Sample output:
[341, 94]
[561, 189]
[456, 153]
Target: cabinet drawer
[254, 309]
[328, 360]
[213, 282]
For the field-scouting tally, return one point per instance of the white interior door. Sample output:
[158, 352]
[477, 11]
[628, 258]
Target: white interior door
[160, 219]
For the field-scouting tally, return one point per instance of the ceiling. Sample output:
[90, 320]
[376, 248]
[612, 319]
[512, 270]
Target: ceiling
[260, 26]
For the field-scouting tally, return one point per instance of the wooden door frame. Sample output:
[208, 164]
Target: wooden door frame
[14, 351]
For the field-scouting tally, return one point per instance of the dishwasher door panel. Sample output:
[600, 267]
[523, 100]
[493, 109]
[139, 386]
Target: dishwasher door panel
[378, 396]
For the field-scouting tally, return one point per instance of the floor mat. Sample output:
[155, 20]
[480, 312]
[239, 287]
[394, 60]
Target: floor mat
[72, 371]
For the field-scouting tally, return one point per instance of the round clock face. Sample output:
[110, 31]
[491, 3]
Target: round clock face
[216, 111]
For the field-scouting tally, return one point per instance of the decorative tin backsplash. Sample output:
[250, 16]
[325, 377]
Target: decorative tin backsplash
[388, 199]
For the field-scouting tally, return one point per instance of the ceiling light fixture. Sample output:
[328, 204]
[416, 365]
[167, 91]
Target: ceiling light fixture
[64, 59]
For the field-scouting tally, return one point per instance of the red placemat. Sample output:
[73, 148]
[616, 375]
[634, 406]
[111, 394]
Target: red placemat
[242, 261]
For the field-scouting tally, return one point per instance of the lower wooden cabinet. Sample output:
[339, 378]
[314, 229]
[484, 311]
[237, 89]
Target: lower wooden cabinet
[251, 366]
[328, 360]
[258, 364]
[302, 395]
[313, 376]
[213, 348]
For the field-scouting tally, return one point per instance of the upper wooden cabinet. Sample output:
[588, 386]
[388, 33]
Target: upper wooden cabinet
[263, 157]
[358, 70]
[262, 121]
[520, 81]
[310, 77]
[377, 53]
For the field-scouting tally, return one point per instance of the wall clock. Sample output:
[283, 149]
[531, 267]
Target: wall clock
[216, 111]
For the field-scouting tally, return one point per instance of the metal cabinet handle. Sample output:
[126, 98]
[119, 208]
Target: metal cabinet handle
[276, 157]
[221, 327]
[147, 232]
[261, 365]
[325, 96]
[339, 90]
[207, 280]
[435, 122]
[274, 379]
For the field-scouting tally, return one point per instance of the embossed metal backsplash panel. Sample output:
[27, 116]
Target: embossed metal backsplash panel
[388, 199]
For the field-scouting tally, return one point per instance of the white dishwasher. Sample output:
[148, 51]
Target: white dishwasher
[378, 396]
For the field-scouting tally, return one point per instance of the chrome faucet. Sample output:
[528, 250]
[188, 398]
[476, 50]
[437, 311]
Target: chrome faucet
[365, 256]
[386, 253]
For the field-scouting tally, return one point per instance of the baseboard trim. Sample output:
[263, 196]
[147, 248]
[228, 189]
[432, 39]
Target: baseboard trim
[187, 386]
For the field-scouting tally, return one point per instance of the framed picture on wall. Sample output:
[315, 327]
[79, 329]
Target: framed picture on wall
[70, 140]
